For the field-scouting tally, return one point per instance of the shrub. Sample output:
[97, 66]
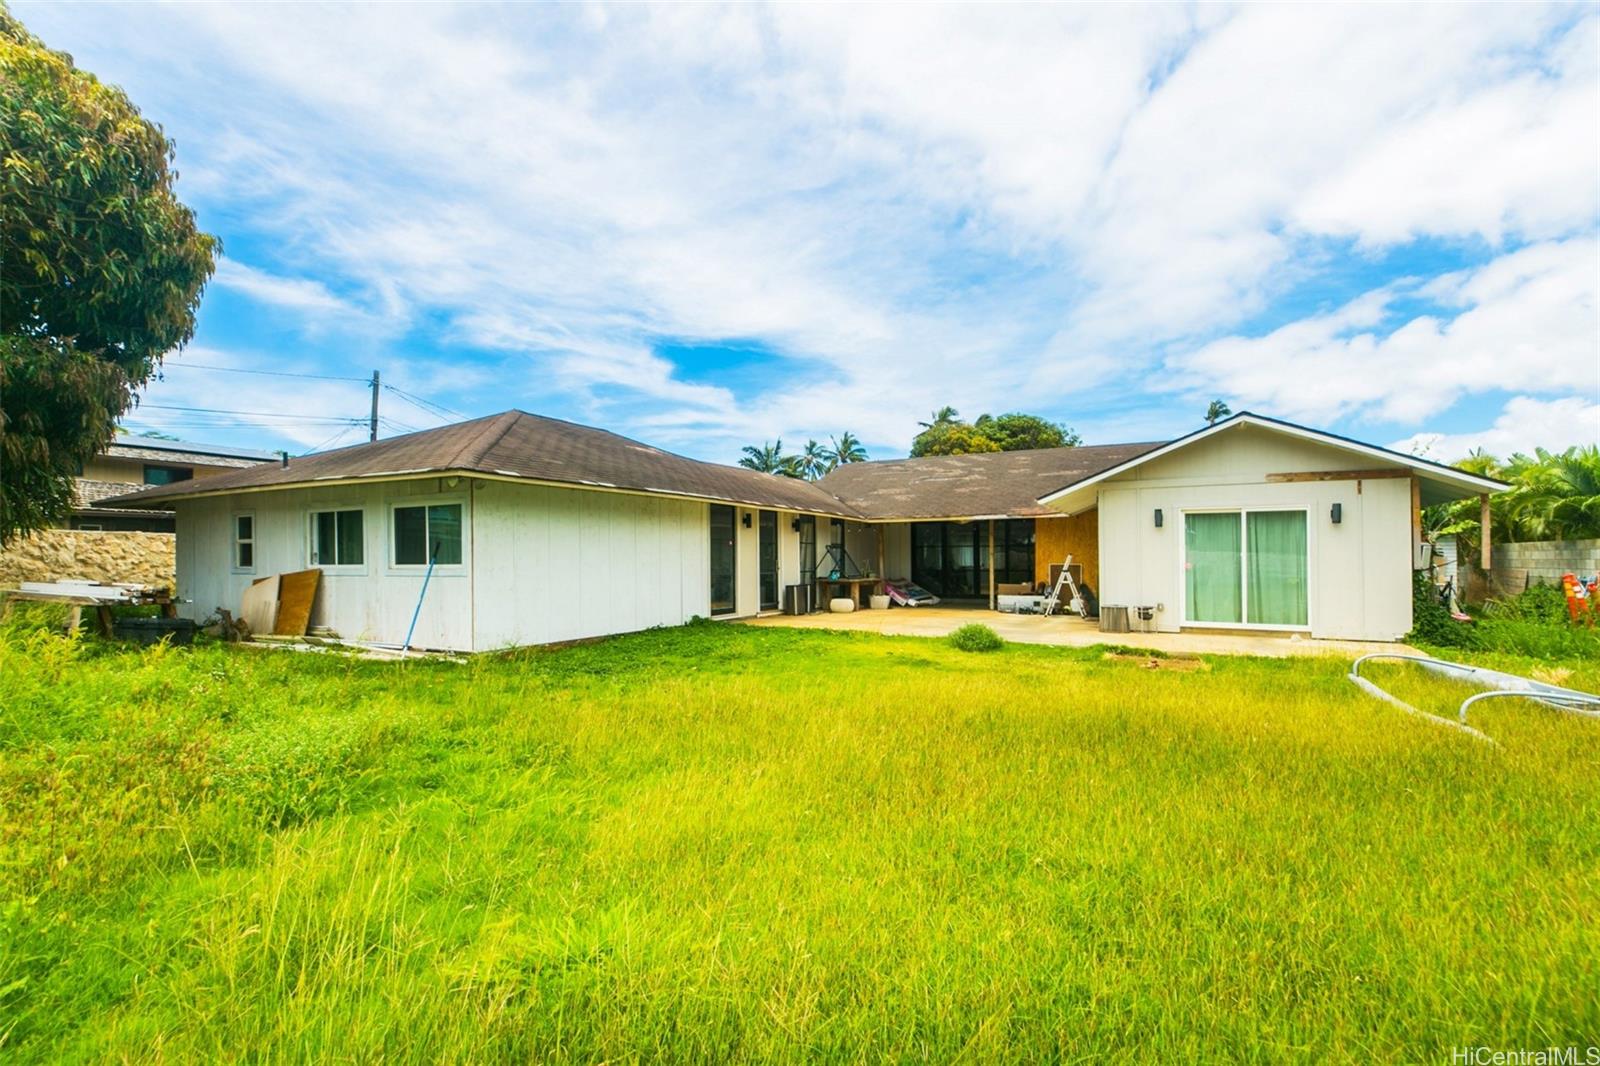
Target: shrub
[1431, 622]
[975, 637]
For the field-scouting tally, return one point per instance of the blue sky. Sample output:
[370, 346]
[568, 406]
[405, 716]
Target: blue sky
[705, 227]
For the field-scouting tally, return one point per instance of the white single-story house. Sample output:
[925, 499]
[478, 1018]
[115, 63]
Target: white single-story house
[540, 530]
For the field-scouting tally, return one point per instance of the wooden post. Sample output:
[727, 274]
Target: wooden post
[993, 602]
[882, 554]
[1416, 517]
[1484, 556]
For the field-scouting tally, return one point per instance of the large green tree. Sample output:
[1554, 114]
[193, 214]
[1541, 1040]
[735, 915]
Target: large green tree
[947, 435]
[1553, 496]
[101, 274]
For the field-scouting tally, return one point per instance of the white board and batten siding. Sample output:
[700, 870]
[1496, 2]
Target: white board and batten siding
[564, 564]
[372, 602]
[1359, 571]
[540, 564]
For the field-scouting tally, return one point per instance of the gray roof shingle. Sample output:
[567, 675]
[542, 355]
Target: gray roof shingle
[971, 486]
[521, 445]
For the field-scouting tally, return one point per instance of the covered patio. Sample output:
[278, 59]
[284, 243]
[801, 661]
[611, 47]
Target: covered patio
[1069, 631]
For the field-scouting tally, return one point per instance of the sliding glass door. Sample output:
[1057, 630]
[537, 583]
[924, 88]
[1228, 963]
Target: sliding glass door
[722, 559]
[1245, 568]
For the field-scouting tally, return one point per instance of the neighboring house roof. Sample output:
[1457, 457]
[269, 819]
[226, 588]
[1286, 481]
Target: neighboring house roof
[983, 485]
[157, 450]
[1441, 483]
[88, 494]
[519, 445]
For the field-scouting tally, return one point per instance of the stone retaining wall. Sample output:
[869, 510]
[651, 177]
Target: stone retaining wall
[58, 554]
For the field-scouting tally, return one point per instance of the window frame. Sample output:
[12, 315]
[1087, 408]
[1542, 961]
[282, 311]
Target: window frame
[234, 541]
[401, 503]
[311, 538]
[1244, 563]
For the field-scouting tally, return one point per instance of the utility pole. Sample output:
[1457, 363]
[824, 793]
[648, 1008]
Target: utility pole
[372, 423]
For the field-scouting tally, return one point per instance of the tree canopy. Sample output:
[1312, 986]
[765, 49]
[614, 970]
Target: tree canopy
[1553, 496]
[813, 461]
[102, 273]
[948, 435]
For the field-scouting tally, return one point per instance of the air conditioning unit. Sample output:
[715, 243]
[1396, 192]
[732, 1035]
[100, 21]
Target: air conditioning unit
[1422, 556]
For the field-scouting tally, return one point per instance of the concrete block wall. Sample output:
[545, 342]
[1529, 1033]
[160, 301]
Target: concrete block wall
[1517, 566]
[91, 555]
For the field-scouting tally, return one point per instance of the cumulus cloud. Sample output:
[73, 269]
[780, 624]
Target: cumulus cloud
[909, 205]
[1525, 322]
[1526, 423]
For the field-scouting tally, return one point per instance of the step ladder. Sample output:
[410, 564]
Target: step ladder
[1074, 602]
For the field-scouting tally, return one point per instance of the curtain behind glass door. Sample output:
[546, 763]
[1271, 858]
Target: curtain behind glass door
[1212, 571]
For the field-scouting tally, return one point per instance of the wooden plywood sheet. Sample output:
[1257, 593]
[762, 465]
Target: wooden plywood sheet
[260, 607]
[297, 592]
[1056, 538]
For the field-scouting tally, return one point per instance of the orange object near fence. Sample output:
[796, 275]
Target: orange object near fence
[1583, 603]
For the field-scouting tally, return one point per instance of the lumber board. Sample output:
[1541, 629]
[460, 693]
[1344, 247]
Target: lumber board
[260, 607]
[1340, 475]
[296, 593]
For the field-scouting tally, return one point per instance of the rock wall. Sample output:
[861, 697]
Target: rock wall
[57, 554]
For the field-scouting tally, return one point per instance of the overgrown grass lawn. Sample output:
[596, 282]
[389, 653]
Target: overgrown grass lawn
[724, 843]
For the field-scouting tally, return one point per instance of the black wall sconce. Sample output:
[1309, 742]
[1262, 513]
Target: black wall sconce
[747, 520]
[1158, 518]
[795, 525]
[1337, 514]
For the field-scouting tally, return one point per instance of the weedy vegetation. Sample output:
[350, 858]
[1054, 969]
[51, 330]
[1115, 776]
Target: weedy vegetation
[720, 843]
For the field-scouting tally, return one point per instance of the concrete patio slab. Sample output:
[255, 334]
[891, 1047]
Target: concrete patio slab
[1071, 631]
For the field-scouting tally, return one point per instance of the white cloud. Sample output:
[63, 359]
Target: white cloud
[1526, 423]
[1525, 322]
[914, 204]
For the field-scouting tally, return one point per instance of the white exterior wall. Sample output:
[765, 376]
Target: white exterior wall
[1359, 572]
[372, 602]
[539, 564]
[559, 564]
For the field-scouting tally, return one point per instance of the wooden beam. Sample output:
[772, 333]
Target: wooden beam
[993, 602]
[1485, 558]
[1341, 475]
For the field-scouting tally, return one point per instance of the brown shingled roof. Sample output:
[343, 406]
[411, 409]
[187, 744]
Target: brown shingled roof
[987, 484]
[520, 445]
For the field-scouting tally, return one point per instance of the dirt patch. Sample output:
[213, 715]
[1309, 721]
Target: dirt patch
[1184, 664]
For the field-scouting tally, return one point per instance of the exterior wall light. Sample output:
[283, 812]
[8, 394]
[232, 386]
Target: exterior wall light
[1337, 514]
[1158, 518]
[747, 520]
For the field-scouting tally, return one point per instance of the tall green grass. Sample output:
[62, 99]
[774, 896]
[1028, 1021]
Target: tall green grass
[722, 843]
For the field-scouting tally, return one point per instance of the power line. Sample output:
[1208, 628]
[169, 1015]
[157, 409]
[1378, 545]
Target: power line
[267, 373]
[248, 414]
[325, 444]
[436, 409]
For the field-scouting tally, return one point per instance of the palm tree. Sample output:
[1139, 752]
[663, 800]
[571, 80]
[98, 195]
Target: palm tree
[769, 459]
[845, 448]
[812, 462]
[1216, 411]
[942, 417]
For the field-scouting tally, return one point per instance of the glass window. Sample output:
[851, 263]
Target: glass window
[427, 532]
[808, 550]
[244, 542]
[1248, 567]
[336, 538]
[1275, 567]
[166, 475]
[1213, 572]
